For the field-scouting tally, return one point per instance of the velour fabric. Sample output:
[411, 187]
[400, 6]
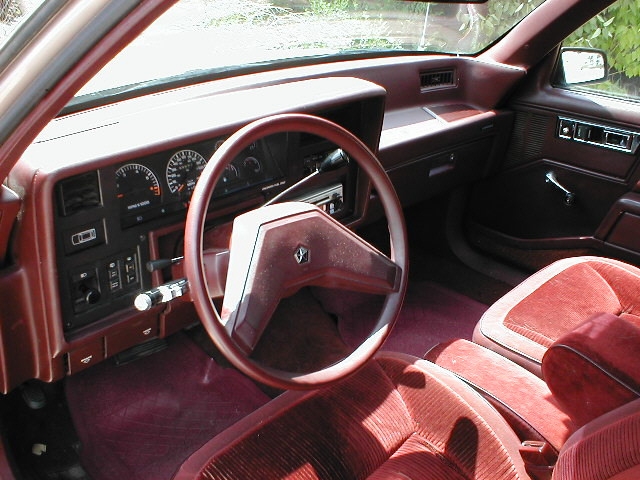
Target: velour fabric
[398, 417]
[415, 456]
[635, 319]
[455, 420]
[521, 397]
[631, 474]
[606, 448]
[594, 369]
[528, 319]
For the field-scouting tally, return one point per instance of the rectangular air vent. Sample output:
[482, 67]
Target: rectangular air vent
[437, 79]
[78, 193]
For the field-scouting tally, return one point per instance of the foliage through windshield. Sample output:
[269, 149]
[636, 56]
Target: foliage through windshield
[199, 37]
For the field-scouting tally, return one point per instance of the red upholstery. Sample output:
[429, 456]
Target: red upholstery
[521, 397]
[606, 448]
[594, 369]
[399, 417]
[528, 319]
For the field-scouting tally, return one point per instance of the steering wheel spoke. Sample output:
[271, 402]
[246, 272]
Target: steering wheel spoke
[216, 265]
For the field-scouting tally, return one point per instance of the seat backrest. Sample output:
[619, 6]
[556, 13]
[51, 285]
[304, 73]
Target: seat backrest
[593, 369]
[605, 448]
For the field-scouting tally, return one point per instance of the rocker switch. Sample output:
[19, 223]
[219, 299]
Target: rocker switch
[583, 132]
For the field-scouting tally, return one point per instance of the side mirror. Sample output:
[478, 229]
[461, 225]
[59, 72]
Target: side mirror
[580, 66]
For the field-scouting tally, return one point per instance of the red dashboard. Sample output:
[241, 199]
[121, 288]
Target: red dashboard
[111, 196]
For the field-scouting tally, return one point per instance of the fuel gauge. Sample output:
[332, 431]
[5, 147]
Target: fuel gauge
[230, 174]
[252, 166]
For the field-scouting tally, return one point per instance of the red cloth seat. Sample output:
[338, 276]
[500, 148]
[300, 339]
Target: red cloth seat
[524, 323]
[593, 369]
[605, 448]
[399, 417]
[592, 381]
[521, 397]
[404, 418]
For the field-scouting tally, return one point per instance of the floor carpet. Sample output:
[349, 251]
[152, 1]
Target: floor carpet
[431, 314]
[142, 420]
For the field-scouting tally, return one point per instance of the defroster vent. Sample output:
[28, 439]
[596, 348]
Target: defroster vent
[438, 79]
[78, 193]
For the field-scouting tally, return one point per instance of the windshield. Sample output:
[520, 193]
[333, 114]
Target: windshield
[200, 38]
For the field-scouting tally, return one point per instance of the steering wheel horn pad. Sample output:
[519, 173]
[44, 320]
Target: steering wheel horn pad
[278, 249]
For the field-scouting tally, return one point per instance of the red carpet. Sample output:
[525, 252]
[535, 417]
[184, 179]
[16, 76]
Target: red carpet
[141, 420]
[431, 314]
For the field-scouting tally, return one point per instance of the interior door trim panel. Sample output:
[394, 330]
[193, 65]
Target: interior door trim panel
[588, 144]
[536, 135]
[520, 203]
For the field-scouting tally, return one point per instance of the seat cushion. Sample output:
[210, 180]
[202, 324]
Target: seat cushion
[399, 417]
[524, 323]
[521, 397]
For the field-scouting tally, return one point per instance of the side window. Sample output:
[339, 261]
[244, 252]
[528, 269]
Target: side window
[615, 32]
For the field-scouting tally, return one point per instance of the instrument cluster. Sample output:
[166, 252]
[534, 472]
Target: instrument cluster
[163, 183]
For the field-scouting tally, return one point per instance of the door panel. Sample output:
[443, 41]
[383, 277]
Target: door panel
[590, 144]
[521, 204]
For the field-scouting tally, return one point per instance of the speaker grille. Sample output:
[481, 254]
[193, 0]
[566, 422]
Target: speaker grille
[527, 139]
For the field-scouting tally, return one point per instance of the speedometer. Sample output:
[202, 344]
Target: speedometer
[137, 187]
[183, 170]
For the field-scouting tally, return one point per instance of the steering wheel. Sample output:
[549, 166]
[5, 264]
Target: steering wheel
[277, 249]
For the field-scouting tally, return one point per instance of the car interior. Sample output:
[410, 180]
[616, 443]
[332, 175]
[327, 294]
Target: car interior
[395, 265]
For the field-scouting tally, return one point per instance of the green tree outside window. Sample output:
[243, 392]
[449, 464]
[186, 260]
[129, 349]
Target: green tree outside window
[616, 30]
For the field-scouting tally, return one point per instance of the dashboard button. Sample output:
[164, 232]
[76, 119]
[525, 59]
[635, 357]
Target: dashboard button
[84, 236]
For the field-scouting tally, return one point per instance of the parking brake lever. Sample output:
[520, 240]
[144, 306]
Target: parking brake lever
[569, 197]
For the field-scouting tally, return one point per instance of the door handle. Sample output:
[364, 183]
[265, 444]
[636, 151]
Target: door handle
[569, 197]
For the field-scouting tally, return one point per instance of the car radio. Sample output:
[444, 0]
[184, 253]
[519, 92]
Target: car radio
[328, 199]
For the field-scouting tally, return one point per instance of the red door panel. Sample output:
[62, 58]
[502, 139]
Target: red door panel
[590, 144]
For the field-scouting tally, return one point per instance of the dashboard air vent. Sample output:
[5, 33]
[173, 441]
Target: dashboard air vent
[437, 79]
[78, 193]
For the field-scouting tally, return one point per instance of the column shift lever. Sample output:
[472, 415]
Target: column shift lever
[334, 160]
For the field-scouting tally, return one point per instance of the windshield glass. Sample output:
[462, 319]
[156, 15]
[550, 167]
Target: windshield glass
[200, 38]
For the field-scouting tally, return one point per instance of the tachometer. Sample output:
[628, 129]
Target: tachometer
[137, 187]
[183, 170]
